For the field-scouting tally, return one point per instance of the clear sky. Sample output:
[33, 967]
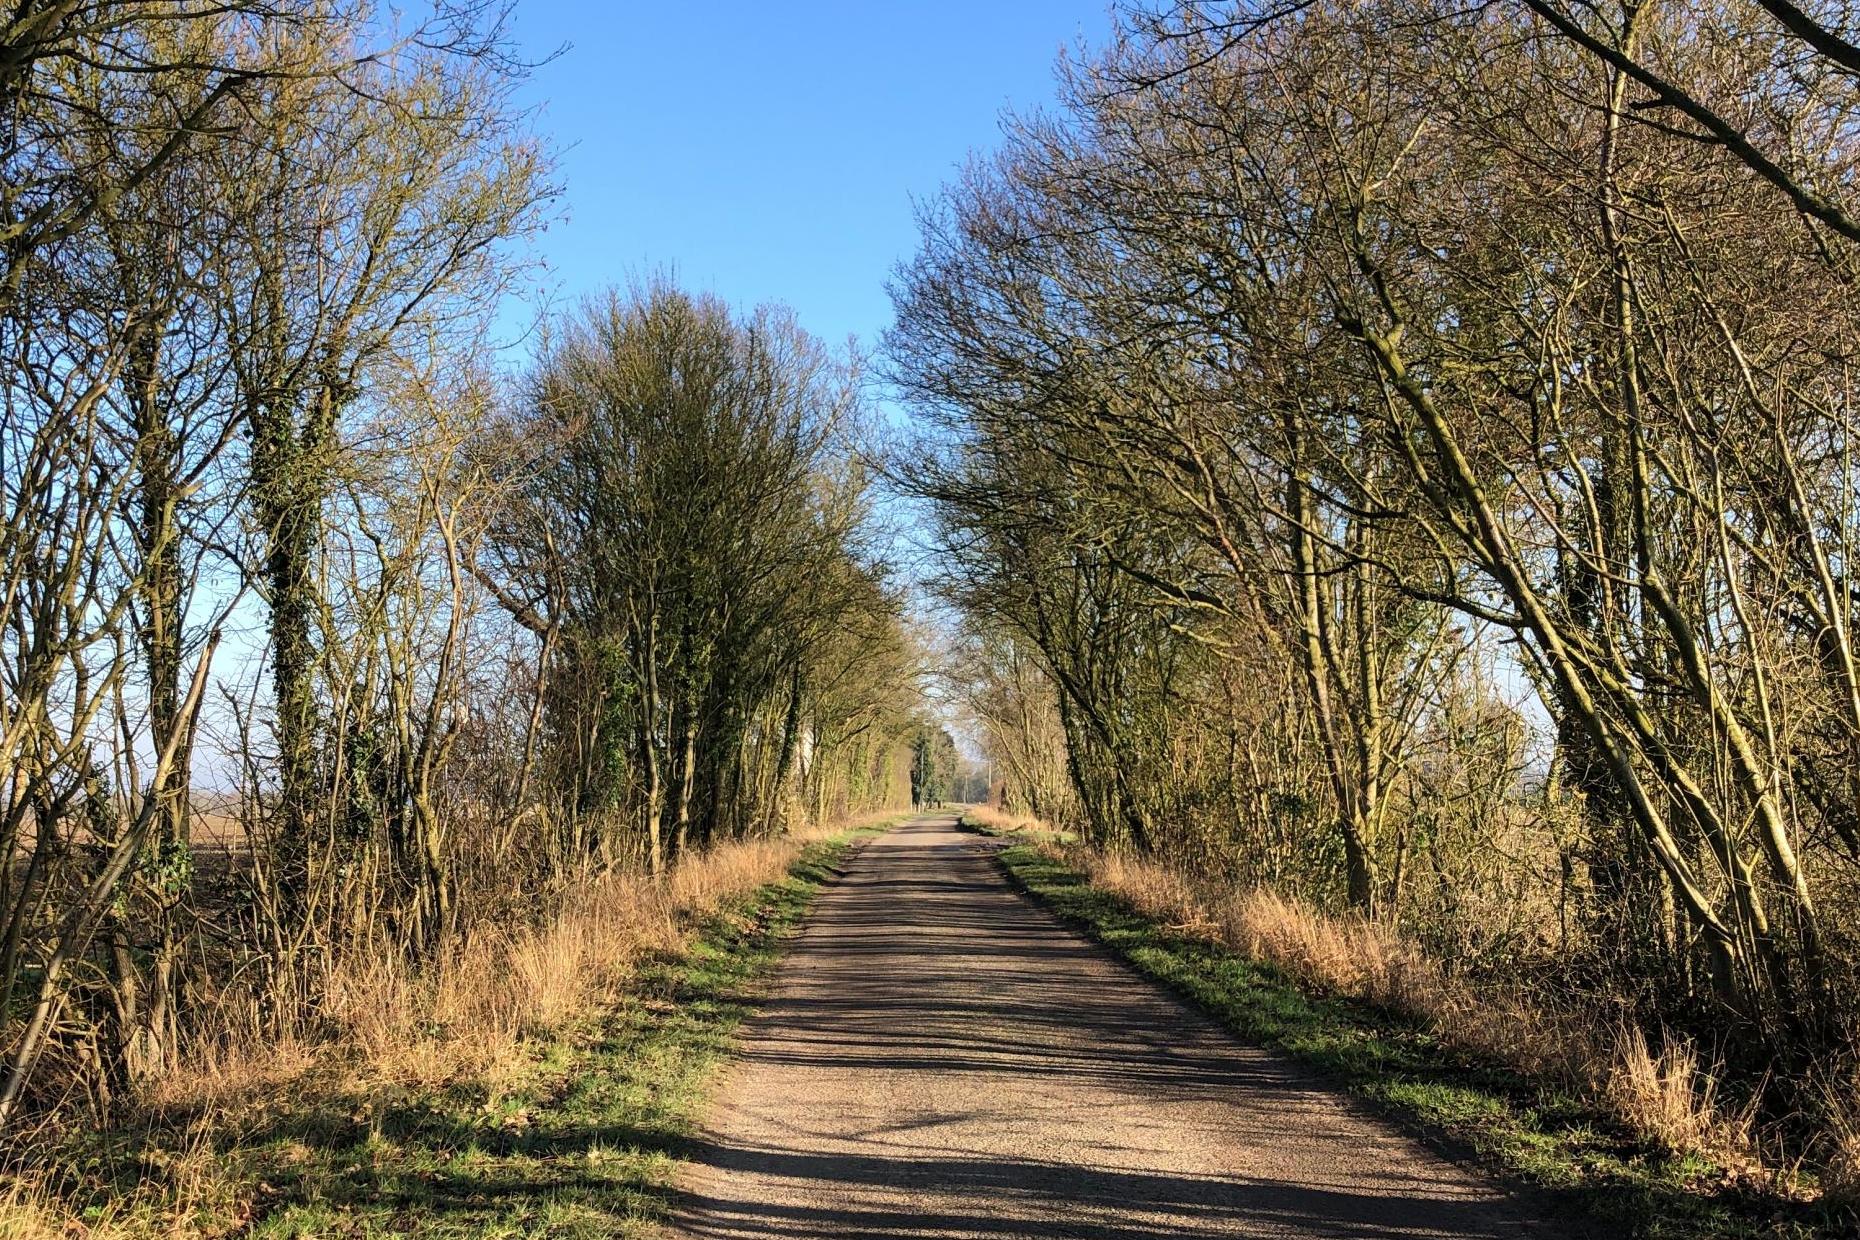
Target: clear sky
[771, 151]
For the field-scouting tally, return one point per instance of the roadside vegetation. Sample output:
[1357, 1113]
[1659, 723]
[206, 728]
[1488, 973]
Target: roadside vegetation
[1614, 1135]
[1394, 465]
[375, 701]
[546, 1084]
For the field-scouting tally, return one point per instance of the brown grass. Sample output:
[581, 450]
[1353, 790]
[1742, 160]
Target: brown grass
[174, 1186]
[471, 1013]
[1840, 1126]
[993, 819]
[826, 829]
[1670, 1095]
[1666, 1094]
[475, 1015]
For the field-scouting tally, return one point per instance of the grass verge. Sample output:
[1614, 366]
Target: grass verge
[1584, 1167]
[582, 1141]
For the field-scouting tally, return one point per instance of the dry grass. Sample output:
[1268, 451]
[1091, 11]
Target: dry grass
[27, 1214]
[1665, 1094]
[1840, 1126]
[473, 1016]
[1670, 1095]
[470, 1013]
[825, 829]
[174, 1187]
[993, 819]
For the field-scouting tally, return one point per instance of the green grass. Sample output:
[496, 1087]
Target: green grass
[1581, 1166]
[585, 1146]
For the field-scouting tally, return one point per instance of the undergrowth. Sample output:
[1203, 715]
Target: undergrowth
[1677, 1172]
[565, 1121]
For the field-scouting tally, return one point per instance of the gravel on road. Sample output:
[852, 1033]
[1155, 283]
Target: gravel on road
[941, 1058]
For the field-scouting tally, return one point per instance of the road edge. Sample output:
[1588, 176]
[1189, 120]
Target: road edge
[1488, 1120]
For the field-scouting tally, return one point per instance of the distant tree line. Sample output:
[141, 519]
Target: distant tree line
[1403, 453]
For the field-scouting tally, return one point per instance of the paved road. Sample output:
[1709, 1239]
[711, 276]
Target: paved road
[940, 1059]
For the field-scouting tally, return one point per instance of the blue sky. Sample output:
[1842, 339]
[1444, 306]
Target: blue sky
[769, 152]
[766, 152]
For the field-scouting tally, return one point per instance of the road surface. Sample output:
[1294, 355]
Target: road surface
[940, 1058]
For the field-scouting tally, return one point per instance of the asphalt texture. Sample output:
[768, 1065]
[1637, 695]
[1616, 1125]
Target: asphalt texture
[939, 1057]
